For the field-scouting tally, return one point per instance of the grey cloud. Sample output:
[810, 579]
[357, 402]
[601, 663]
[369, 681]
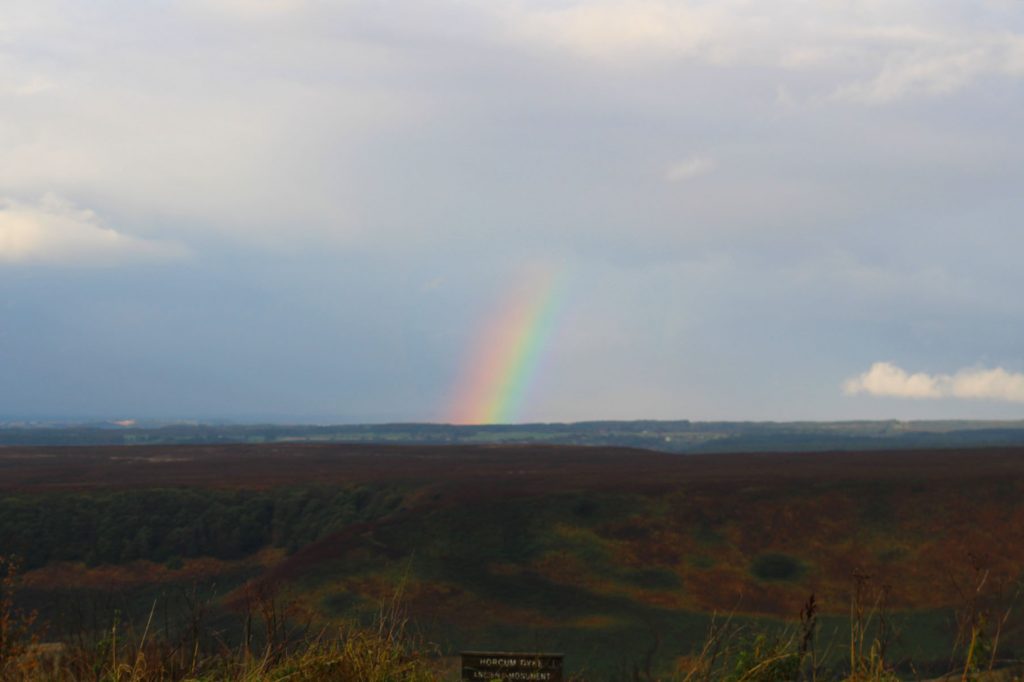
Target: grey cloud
[327, 162]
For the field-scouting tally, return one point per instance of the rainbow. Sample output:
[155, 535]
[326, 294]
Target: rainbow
[496, 381]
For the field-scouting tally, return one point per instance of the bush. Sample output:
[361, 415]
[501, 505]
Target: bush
[777, 567]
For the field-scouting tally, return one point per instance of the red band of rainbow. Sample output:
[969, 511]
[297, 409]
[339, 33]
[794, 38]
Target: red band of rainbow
[496, 383]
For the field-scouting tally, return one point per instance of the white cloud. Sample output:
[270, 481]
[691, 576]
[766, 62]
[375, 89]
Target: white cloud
[689, 168]
[246, 10]
[866, 54]
[609, 29]
[24, 86]
[55, 231]
[282, 123]
[938, 69]
[886, 379]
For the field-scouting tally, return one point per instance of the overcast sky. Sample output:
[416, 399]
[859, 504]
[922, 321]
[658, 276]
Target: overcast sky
[302, 210]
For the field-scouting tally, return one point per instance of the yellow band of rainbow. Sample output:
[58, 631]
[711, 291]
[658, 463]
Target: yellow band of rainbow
[496, 383]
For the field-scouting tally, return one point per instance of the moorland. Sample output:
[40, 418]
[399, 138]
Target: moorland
[624, 559]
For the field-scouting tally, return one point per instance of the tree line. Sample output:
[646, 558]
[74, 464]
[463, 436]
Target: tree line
[170, 524]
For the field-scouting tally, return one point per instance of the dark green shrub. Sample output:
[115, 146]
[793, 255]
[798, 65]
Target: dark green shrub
[776, 566]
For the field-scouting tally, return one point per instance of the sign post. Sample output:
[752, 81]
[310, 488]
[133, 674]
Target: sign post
[505, 666]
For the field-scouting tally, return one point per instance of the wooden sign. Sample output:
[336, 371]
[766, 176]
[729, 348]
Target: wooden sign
[487, 666]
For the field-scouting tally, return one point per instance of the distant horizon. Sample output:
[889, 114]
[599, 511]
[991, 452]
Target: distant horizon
[147, 422]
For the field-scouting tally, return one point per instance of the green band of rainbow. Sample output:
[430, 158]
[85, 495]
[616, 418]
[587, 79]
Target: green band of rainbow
[508, 356]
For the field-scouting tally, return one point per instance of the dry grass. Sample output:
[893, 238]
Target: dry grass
[276, 645]
[731, 655]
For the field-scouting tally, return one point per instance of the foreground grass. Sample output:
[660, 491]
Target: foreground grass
[383, 652]
[374, 655]
[350, 656]
[275, 646]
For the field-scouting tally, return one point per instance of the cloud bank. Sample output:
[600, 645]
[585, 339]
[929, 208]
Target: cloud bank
[886, 379]
[360, 180]
[56, 232]
[908, 50]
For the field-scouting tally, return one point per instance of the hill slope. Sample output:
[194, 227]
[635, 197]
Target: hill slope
[613, 555]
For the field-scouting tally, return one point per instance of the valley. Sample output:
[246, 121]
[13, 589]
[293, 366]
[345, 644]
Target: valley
[619, 557]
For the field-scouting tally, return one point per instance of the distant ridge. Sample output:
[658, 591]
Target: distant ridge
[682, 436]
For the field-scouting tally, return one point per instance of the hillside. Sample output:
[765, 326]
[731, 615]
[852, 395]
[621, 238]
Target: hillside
[619, 557]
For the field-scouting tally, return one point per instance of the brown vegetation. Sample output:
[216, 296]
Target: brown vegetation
[750, 533]
[481, 470]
